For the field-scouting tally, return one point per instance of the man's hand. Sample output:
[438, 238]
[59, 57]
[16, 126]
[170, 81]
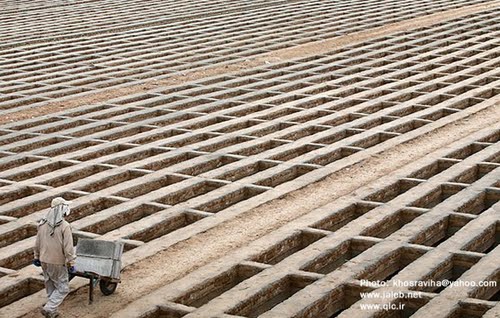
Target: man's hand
[37, 262]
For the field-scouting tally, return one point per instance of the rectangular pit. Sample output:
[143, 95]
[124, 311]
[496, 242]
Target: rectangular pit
[373, 140]
[168, 225]
[391, 224]
[214, 287]
[135, 156]
[147, 187]
[75, 175]
[330, 157]
[246, 171]
[342, 217]
[230, 199]
[392, 191]
[40, 170]
[39, 205]
[450, 270]
[102, 151]
[474, 174]
[487, 241]
[190, 192]
[20, 290]
[332, 259]
[19, 234]
[433, 169]
[118, 220]
[334, 302]
[467, 151]
[258, 148]
[437, 196]
[390, 265]
[18, 194]
[293, 153]
[481, 202]
[271, 296]
[170, 161]
[288, 246]
[92, 207]
[285, 176]
[208, 165]
[110, 181]
[441, 231]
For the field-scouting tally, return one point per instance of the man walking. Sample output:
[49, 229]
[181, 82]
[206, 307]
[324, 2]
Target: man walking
[55, 253]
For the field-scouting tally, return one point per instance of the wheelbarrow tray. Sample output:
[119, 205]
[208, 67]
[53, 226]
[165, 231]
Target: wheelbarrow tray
[102, 258]
[100, 262]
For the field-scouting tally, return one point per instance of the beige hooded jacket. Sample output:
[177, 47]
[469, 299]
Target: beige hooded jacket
[54, 240]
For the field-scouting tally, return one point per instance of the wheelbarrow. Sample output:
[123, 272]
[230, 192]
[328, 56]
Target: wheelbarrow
[100, 262]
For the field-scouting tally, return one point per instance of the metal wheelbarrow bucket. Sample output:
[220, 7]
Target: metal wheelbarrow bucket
[100, 262]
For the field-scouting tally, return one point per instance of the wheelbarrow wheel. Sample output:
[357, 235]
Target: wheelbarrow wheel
[107, 287]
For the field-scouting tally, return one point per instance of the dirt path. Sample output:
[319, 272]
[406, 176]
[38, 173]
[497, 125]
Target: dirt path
[141, 278]
[300, 51]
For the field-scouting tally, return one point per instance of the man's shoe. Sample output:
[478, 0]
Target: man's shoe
[45, 313]
[48, 314]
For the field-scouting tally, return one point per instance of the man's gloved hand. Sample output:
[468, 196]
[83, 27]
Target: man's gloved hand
[72, 269]
[37, 262]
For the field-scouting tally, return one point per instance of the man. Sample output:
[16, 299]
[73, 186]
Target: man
[55, 253]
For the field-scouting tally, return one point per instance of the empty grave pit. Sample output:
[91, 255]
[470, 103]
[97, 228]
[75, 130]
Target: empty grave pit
[481, 202]
[467, 309]
[270, 296]
[293, 153]
[331, 259]
[208, 165]
[392, 191]
[17, 194]
[106, 182]
[286, 175]
[17, 234]
[441, 231]
[122, 218]
[189, 192]
[433, 169]
[40, 170]
[164, 312]
[124, 159]
[93, 207]
[392, 223]
[451, 269]
[332, 156]
[287, 247]
[476, 173]
[38, 205]
[17, 163]
[334, 302]
[214, 287]
[75, 175]
[391, 264]
[343, 216]
[437, 196]
[488, 293]
[163, 227]
[20, 290]
[226, 200]
[467, 151]
[137, 190]
[245, 171]
[487, 241]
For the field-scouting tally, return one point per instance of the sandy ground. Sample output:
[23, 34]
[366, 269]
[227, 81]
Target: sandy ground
[143, 277]
[301, 51]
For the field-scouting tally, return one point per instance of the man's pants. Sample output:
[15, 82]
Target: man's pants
[56, 284]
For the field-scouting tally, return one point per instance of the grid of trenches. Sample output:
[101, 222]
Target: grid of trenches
[63, 51]
[435, 219]
[166, 164]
